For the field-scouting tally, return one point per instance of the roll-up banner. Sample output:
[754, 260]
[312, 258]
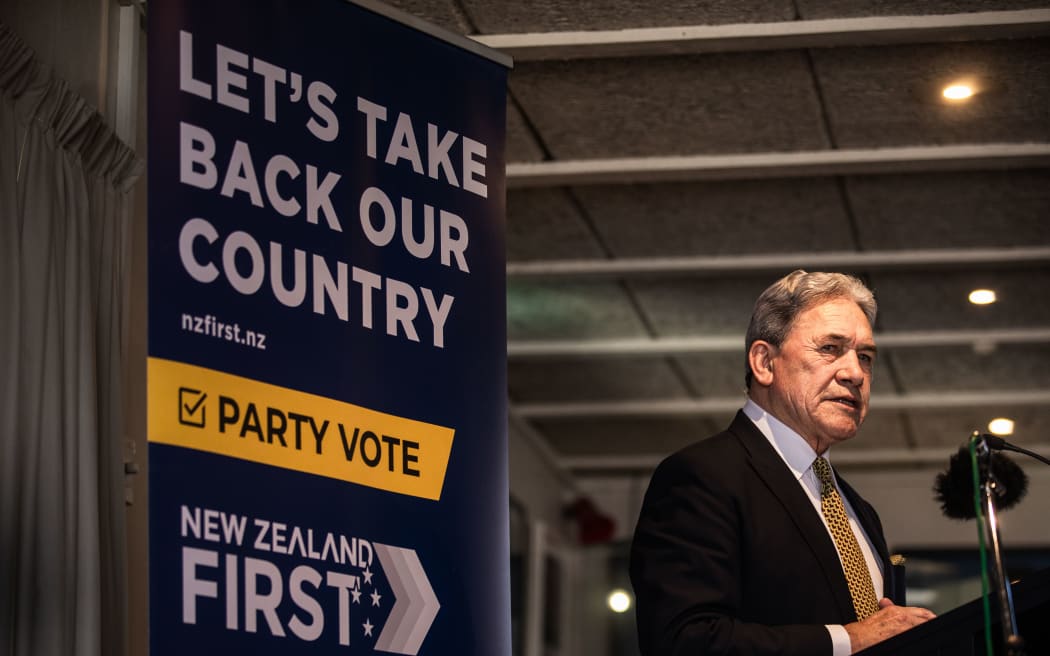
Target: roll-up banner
[327, 332]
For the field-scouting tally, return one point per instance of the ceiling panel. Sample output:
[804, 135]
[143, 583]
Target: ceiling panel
[593, 380]
[952, 428]
[558, 15]
[545, 224]
[973, 209]
[890, 96]
[816, 9]
[552, 310]
[716, 374]
[671, 105]
[719, 218]
[521, 142]
[925, 301]
[444, 13]
[689, 306]
[1007, 367]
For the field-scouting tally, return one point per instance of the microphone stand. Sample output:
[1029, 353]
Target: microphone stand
[1011, 639]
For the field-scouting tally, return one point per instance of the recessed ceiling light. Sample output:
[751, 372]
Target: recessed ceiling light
[1001, 426]
[957, 91]
[982, 296]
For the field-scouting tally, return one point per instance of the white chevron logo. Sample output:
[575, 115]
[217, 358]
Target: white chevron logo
[415, 604]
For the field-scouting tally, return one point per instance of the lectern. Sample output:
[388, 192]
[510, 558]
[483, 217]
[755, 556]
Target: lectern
[960, 632]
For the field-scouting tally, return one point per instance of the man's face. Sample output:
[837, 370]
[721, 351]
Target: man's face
[822, 373]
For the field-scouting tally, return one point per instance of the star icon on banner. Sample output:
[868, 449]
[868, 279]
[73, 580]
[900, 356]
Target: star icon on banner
[368, 575]
[356, 592]
[368, 627]
[375, 598]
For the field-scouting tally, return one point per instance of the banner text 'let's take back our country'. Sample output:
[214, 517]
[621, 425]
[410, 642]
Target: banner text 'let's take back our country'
[292, 189]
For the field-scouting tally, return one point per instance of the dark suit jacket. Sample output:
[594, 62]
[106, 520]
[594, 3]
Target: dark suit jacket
[730, 557]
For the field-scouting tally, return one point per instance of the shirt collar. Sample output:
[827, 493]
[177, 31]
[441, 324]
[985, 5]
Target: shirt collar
[793, 450]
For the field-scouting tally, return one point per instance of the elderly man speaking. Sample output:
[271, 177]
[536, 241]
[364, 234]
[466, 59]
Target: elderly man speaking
[748, 543]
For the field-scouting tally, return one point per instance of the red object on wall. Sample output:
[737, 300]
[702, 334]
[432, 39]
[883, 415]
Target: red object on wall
[593, 526]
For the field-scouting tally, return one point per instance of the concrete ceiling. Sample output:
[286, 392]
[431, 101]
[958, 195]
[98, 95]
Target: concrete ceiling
[667, 161]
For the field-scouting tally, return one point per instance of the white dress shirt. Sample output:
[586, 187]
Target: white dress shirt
[799, 457]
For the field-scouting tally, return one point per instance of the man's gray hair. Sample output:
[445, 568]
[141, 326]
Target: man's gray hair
[778, 307]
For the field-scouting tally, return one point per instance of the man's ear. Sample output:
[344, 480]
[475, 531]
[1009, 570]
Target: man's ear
[760, 356]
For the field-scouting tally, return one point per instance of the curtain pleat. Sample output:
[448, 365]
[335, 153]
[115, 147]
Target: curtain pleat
[64, 228]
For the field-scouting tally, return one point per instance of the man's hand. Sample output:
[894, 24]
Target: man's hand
[887, 622]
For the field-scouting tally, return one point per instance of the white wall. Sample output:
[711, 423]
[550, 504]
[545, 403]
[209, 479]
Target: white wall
[911, 517]
[535, 482]
[542, 490]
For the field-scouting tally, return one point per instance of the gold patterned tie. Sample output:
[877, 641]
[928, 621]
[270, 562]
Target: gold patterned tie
[858, 578]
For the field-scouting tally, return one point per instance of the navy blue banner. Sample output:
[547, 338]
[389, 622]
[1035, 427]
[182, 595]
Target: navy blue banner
[327, 338]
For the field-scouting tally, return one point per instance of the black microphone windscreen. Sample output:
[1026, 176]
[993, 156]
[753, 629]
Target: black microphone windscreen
[1011, 483]
[954, 487]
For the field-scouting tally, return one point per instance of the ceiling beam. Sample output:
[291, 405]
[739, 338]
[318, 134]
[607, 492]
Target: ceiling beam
[845, 457]
[721, 265]
[752, 166]
[664, 346]
[986, 340]
[716, 406]
[783, 35]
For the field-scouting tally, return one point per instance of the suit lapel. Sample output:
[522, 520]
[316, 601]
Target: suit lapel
[779, 479]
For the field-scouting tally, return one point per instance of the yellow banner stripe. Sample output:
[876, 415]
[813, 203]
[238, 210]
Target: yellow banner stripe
[208, 410]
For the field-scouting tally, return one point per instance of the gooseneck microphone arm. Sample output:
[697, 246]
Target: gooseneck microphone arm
[998, 443]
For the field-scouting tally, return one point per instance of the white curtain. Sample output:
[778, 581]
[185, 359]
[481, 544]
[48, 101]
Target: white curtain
[64, 178]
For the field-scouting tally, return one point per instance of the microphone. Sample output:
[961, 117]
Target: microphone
[999, 444]
[955, 491]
